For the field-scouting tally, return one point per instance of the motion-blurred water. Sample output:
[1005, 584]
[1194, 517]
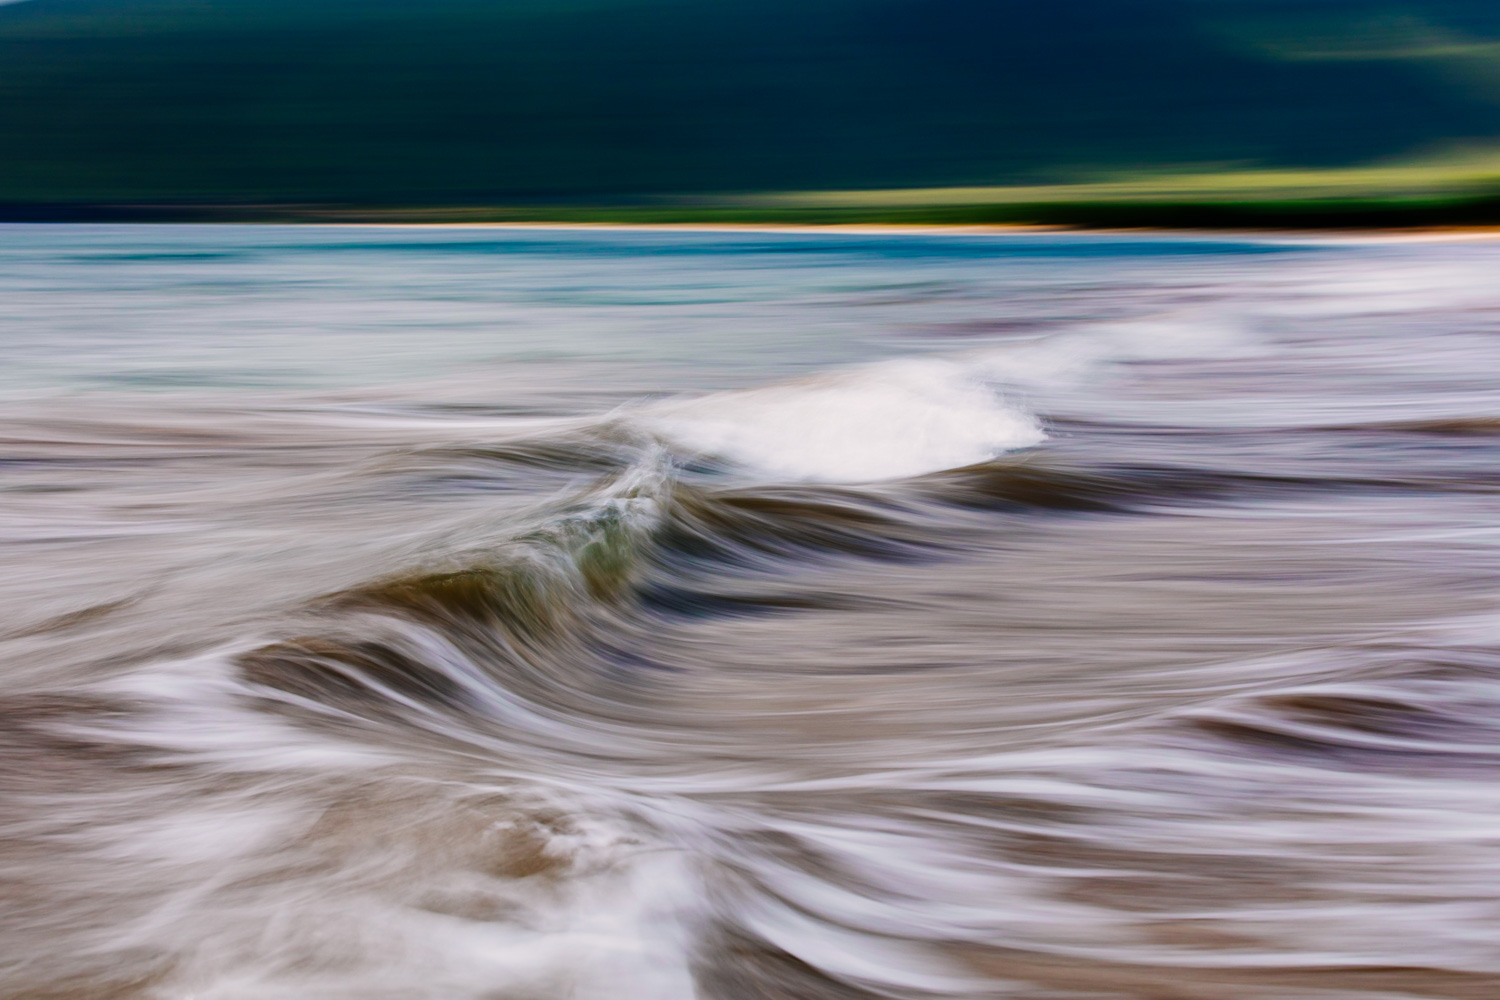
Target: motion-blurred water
[407, 613]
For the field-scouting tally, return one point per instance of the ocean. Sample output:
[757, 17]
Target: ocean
[525, 613]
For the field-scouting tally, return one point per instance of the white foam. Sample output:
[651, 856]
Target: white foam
[911, 416]
[1076, 357]
[883, 421]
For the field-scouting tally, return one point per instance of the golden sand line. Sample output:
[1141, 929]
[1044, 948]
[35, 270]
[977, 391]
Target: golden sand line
[1413, 234]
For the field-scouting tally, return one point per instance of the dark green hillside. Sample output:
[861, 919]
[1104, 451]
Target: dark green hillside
[459, 101]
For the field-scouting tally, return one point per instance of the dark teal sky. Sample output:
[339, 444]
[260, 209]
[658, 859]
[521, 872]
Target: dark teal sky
[462, 100]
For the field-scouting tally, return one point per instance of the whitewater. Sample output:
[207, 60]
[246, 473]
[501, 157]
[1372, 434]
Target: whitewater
[487, 614]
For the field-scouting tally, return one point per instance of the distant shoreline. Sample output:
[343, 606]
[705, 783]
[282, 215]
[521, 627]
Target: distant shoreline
[1381, 234]
[1471, 213]
[1404, 235]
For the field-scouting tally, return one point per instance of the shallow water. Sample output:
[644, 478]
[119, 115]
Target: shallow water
[399, 613]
